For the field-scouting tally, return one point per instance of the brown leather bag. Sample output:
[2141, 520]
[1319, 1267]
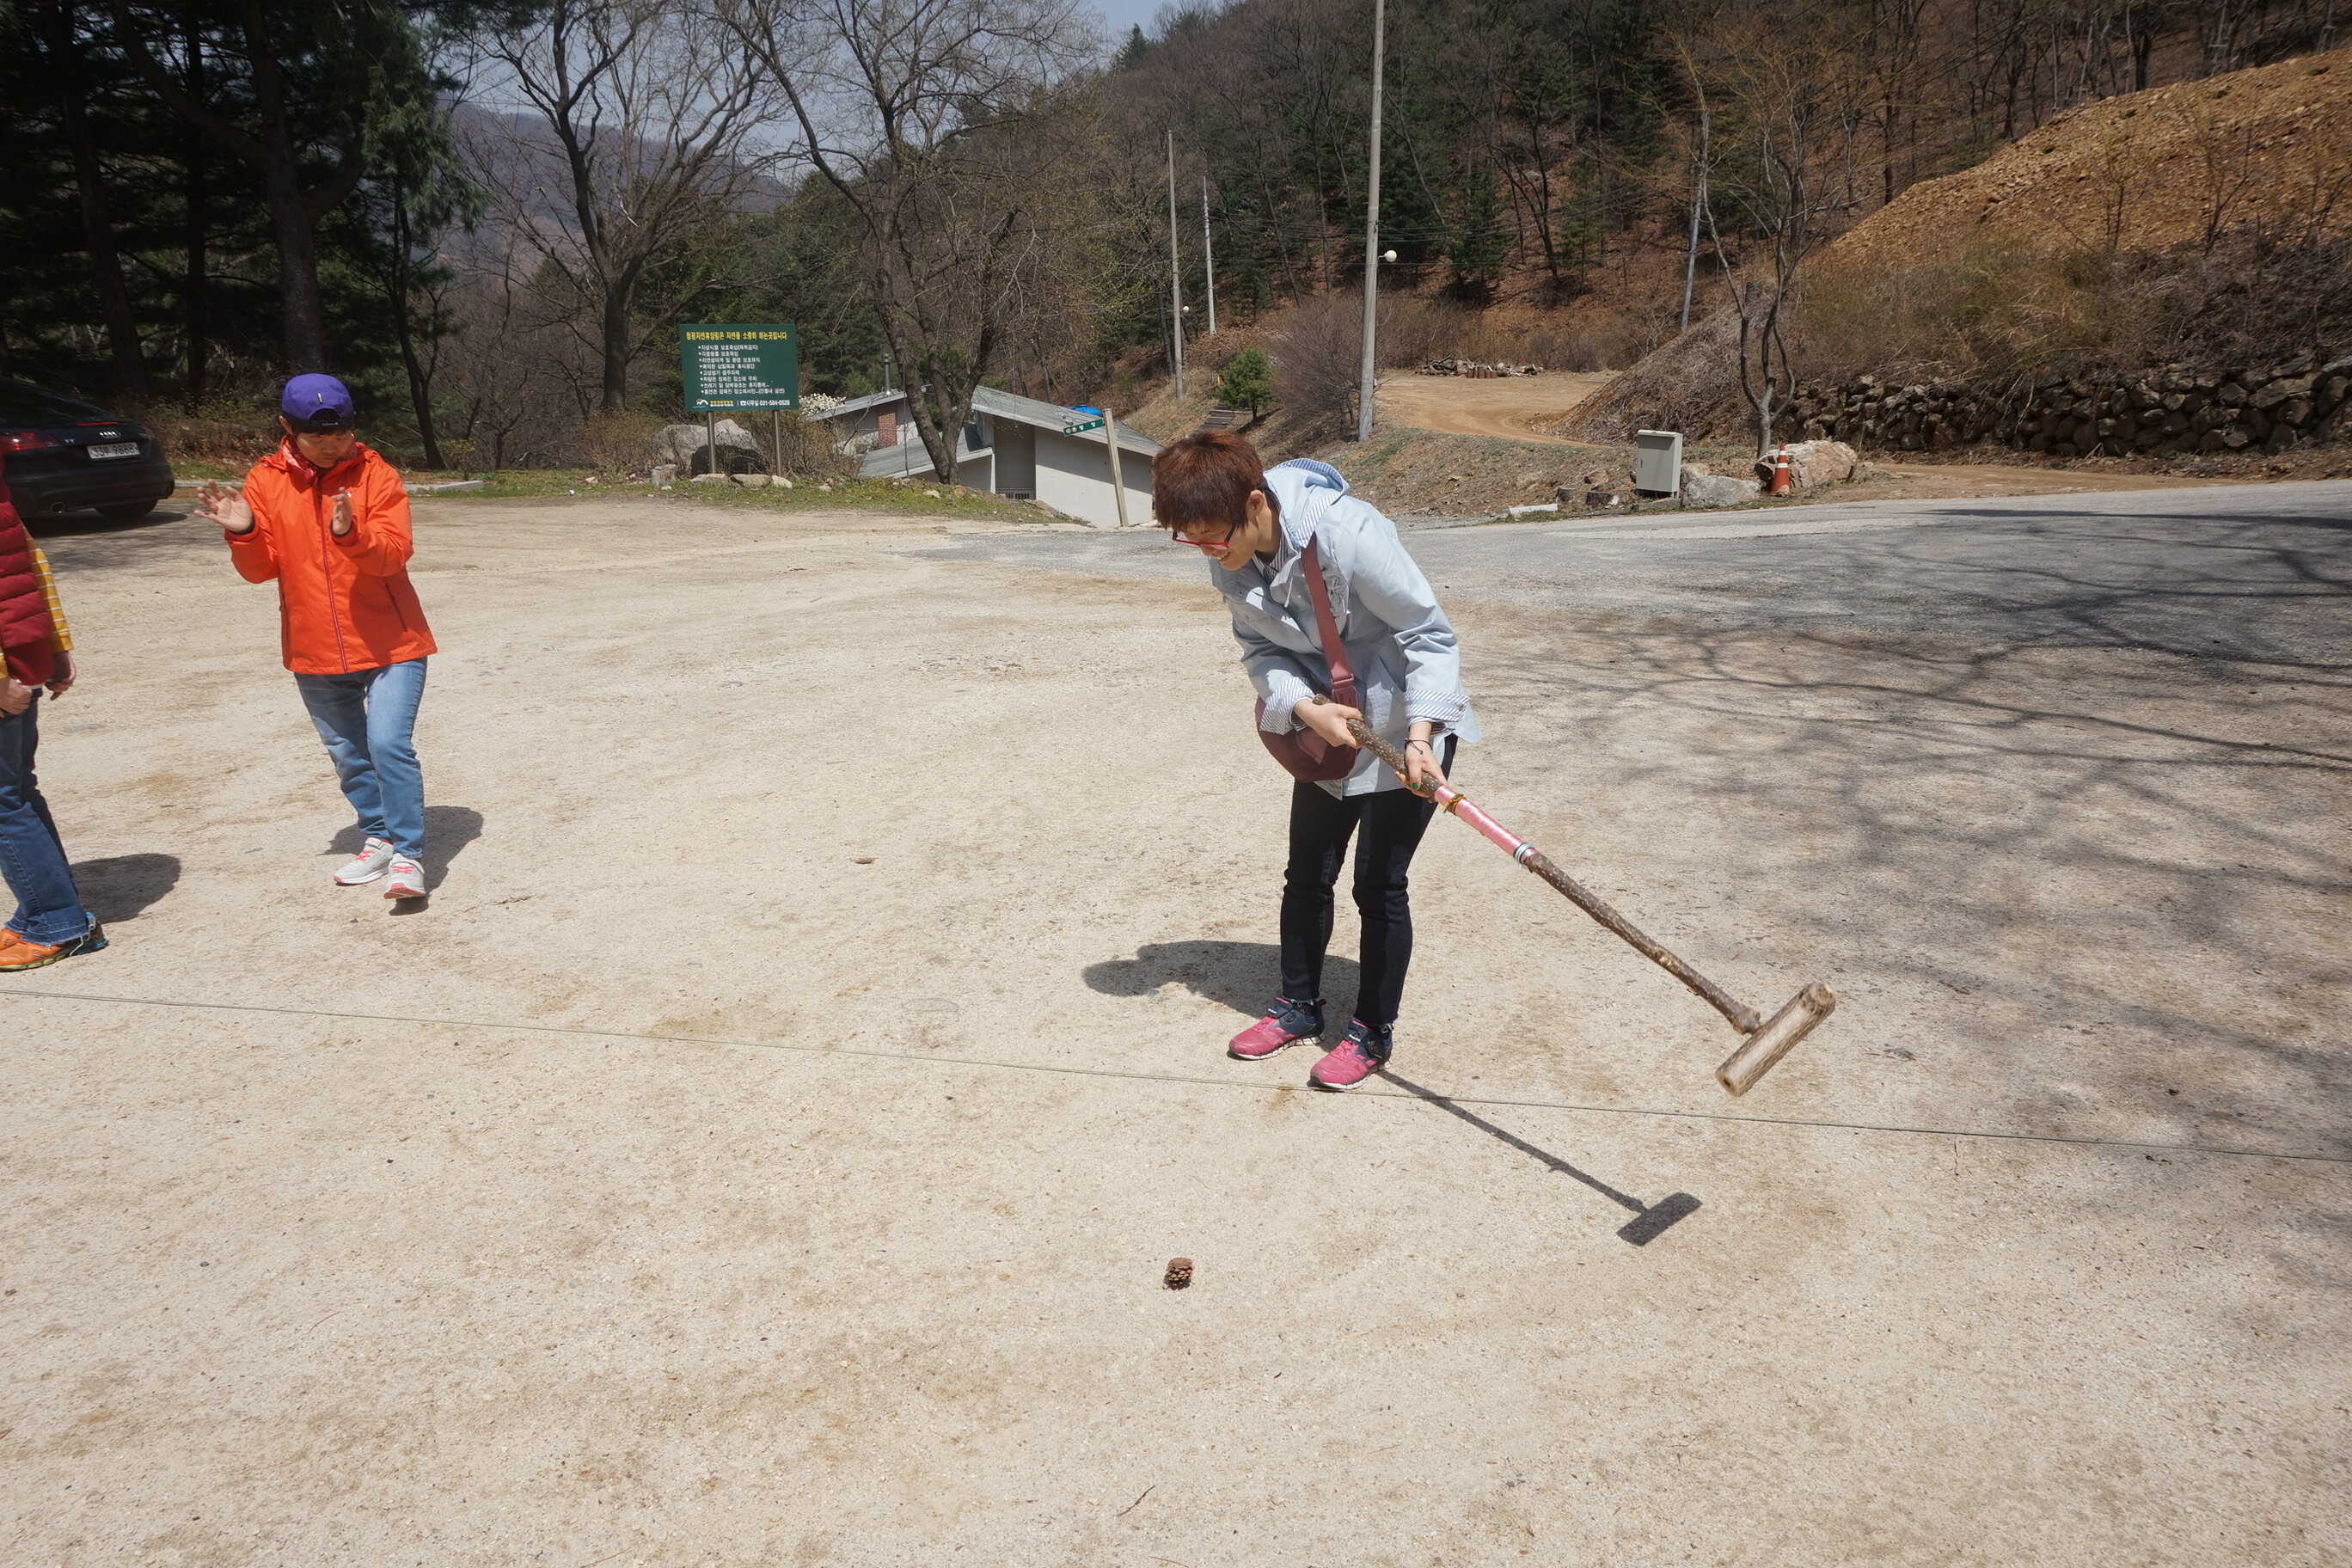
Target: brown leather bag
[1303, 753]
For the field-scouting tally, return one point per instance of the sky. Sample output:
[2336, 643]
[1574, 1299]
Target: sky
[1118, 15]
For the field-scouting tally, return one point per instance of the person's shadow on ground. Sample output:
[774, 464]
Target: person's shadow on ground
[121, 886]
[447, 830]
[1243, 975]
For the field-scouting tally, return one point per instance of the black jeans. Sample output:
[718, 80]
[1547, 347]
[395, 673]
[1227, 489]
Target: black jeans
[1387, 827]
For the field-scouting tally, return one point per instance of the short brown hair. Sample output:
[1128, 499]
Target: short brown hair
[1206, 477]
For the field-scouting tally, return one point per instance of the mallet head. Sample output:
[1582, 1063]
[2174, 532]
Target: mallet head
[1768, 1044]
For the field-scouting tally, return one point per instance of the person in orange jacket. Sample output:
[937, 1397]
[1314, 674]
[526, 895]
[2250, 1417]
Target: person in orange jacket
[326, 519]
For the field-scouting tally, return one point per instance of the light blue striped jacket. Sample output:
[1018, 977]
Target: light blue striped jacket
[1399, 642]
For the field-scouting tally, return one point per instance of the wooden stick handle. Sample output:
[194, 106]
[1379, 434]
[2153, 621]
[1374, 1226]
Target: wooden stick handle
[1741, 1017]
[1368, 738]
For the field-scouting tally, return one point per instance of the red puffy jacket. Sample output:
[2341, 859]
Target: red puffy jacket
[345, 604]
[27, 635]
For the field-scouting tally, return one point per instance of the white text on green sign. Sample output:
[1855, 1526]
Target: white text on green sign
[727, 366]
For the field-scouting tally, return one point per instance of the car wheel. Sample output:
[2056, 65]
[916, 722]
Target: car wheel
[128, 509]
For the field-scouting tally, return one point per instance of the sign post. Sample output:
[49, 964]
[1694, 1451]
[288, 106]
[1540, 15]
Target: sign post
[1083, 419]
[731, 368]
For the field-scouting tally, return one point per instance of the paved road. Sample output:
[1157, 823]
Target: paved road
[2259, 571]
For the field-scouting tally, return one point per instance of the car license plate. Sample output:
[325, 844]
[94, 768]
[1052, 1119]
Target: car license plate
[118, 449]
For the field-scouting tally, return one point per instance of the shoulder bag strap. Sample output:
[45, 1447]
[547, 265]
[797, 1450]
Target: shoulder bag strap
[1335, 652]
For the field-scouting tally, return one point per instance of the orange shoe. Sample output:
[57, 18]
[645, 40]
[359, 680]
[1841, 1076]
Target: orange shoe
[16, 953]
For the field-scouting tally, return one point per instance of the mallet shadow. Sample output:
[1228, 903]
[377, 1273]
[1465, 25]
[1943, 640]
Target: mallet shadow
[1246, 975]
[1650, 1220]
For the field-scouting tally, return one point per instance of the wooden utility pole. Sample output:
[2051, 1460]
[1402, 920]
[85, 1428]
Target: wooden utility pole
[1175, 277]
[1208, 257]
[1372, 230]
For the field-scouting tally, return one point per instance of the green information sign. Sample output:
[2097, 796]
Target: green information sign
[741, 366]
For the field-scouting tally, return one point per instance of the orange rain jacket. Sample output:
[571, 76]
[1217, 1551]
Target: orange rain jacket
[344, 605]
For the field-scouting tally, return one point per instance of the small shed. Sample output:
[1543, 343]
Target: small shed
[1012, 446]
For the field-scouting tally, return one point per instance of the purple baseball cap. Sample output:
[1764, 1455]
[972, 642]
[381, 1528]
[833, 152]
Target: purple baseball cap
[317, 403]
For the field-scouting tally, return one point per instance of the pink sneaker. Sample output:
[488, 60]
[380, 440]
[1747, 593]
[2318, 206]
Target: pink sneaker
[1286, 1023]
[1355, 1058]
[367, 865]
[405, 879]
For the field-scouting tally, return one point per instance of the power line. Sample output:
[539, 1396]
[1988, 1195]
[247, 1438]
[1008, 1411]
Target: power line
[932, 1061]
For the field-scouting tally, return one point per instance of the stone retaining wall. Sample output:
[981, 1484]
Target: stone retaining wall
[2164, 413]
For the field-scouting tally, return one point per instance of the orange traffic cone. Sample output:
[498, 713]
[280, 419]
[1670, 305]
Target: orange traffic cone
[1780, 467]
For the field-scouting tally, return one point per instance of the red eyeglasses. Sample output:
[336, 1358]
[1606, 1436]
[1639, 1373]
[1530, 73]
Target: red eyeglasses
[1206, 546]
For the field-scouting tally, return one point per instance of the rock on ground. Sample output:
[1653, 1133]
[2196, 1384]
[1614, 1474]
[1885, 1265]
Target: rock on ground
[1812, 463]
[683, 445]
[1701, 489]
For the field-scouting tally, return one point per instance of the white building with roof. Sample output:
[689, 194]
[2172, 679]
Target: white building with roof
[1013, 445]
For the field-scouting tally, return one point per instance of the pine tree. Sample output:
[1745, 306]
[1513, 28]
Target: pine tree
[1247, 382]
[1479, 247]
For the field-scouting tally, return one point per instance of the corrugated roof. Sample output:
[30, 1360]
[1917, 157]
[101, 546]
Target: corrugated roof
[1051, 416]
[1000, 405]
[857, 405]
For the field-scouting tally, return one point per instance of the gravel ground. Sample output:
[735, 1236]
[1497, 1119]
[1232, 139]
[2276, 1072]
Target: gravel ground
[765, 1146]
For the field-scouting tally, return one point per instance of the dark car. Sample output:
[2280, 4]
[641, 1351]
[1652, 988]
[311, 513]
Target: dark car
[63, 455]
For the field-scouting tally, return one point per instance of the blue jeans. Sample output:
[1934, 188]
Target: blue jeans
[365, 718]
[48, 908]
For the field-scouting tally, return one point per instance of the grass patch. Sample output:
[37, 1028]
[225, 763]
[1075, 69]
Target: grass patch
[906, 495]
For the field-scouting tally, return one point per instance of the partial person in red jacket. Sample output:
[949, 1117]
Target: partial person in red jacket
[49, 923]
[326, 519]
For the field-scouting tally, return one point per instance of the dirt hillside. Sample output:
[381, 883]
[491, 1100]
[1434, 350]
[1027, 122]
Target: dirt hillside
[2148, 171]
[2144, 172]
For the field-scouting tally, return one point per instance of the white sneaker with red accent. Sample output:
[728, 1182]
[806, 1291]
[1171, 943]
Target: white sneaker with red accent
[405, 879]
[367, 865]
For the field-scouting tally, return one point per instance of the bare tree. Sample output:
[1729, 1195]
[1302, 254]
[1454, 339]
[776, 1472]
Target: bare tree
[1776, 178]
[2224, 146]
[953, 131]
[508, 401]
[639, 141]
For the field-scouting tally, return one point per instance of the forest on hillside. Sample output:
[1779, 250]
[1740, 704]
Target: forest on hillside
[492, 217]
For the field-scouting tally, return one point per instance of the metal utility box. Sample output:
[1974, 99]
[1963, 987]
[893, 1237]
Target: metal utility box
[1658, 461]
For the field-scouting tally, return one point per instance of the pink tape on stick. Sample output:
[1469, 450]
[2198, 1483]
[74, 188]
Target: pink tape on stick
[1768, 1041]
[1454, 803]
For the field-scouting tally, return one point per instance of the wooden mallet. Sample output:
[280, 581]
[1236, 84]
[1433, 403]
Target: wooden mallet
[1767, 1039]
